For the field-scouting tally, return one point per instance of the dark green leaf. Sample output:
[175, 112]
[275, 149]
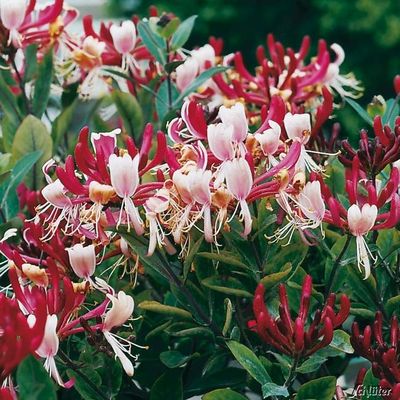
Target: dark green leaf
[30, 62]
[311, 364]
[43, 85]
[223, 394]
[272, 280]
[272, 389]
[9, 201]
[82, 387]
[369, 383]
[170, 384]
[155, 306]
[32, 135]
[130, 112]
[360, 111]
[249, 361]
[227, 285]
[318, 389]
[175, 359]
[34, 382]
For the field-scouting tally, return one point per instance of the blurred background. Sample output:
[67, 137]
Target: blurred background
[368, 30]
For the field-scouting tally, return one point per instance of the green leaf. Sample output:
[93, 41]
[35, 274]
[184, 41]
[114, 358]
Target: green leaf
[272, 280]
[225, 257]
[86, 392]
[202, 78]
[341, 342]
[182, 34]
[187, 262]
[172, 66]
[175, 359]
[9, 201]
[34, 382]
[9, 102]
[227, 285]
[360, 111]
[62, 123]
[272, 389]
[30, 62]
[223, 394]
[312, 364]
[249, 361]
[130, 112]
[154, 43]
[155, 306]
[43, 85]
[318, 389]
[392, 112]
[370, 382]
[392, 305]
[170, 382]
[32, 135]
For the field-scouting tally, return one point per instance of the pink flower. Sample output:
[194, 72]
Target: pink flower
[220, 141]
[82, 260]
[235, 117]
[312, 203]
[124, 37]
[125, 180]
[121, 310]
[48, 349]
[186, 73]
[269, 141]
[205, 57]
[239, 182]
[298, 127]
[361, 221]
[12, 15]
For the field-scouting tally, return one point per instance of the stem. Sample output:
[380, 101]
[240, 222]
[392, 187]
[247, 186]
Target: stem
[292, 373]
[169, 81]
[332, 275]
[64, 357]
[189, 297]
[240, 321]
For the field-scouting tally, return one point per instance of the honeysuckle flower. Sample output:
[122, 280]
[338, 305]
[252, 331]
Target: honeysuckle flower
[82, 260]
[124, 38]
[239, 182]
[125, 180]
[290, 336]
[155, 206]
[269, 141]
[312, 204]
[12, 14]
[235, 117]
[383, 354]
[121, 310]
[220, 141]
[345, 85]
[186, 73]
[361, 221]
[298, 129]
[201, 193]
[205, 57]
[62, 209]
[48, 349]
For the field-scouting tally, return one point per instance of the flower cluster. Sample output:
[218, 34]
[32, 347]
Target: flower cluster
[383, 354]
[291, 336]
